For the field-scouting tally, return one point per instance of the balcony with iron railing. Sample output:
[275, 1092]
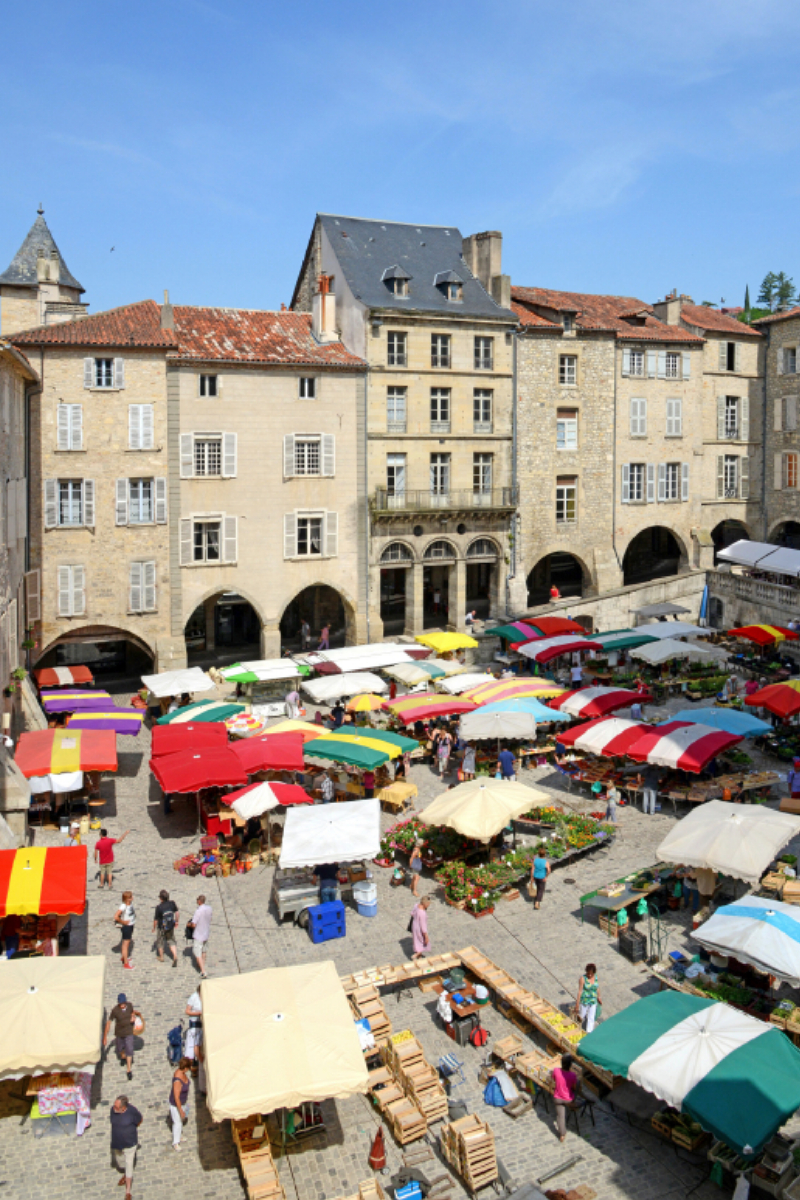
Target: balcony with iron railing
[498, 499]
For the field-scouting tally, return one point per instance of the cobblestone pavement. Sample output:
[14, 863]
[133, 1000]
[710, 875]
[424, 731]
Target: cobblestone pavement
[545, 950]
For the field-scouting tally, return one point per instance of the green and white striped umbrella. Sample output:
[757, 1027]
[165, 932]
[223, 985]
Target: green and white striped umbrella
[203, 710]
[737, 1076]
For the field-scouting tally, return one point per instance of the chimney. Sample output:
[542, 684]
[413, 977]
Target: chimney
[323, 311]
[167, 315]
[668, 310]
[483, 254]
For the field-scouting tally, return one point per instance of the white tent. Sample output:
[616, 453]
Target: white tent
[462, 683]
[667, 648]
[51, 1014]
[328, 688]
[735, 839]
[671, 629]
[781, 560]
[279, 1037]
[761, 931]
[479, 725]
[410, 674]
[745, 553]
[265, 669]
[175, 683]
[365, 658]
[331, 833]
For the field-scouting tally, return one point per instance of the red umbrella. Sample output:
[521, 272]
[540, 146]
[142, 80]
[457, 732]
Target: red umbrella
[681, 745]
[55, 751]
[275, 752]
[286, 794]
[783, 699]
[598, 701]
[553, 626]
[764, 635]
[172, 739]
[607, 737]
[544, 649]
[191, 770]
[63, 676]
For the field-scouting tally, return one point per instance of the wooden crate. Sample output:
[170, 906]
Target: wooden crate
[255, 1158]
[406, 1120]
[468, 1145]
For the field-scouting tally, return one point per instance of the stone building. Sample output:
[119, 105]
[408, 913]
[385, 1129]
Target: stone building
[781, 497]
[429, 312]
[38, 288]
[610, 443]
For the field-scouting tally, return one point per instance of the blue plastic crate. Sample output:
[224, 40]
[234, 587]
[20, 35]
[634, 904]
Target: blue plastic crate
[326, 914]
[411, 1191]
[326, 933]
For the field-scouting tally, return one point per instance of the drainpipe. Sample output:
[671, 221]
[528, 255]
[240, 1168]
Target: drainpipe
[764, 442]
[366, 502]
[614, 472]
[515, 518]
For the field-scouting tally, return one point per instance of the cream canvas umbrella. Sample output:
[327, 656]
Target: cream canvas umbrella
[478, 725]
[409, 673]
[482, 807]
[51, 1014]
[735, 839]
[663, 651]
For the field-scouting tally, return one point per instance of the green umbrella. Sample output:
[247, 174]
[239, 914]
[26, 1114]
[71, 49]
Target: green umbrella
[345, 750]
[431, 669]
[623, 639]
[381, 735]
[203, 710]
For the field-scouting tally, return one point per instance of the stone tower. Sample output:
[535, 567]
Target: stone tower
[38, 288]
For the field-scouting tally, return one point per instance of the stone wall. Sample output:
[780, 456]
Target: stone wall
[782, 503]
[19, 309]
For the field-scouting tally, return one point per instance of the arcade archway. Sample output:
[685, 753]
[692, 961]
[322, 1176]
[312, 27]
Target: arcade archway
[655, 553]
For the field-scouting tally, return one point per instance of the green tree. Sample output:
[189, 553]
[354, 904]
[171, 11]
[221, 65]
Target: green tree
[747, 297]
[784, 291]
[769, 288]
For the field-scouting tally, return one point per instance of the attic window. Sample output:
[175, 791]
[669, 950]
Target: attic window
[567, 322]
[450, 285]
[396, 280]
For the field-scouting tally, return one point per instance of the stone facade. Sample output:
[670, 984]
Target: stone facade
[781, 445]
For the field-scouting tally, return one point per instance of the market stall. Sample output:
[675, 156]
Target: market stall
[733, 839]
[331, 688]
[173, 739]
[782, 699]
[63, 676]
[763, 932]
[118, 720]
[742, 724]
[49, 752]
[498, 725]
[409, 709]
[276, 752]
[411, 674]
[70, 700]
[259, 798]
[607, 737]
[331, 833]
[546, 649]
[374, 656]
[458, 684]
[178, 683]
[265, 682]
[764, 635]
[43, 886]
[203, 710]
[667, 649]
[482, 809]
[598, 701]
[681, 745]
[193, 770]
[505, 689]
[447, 643]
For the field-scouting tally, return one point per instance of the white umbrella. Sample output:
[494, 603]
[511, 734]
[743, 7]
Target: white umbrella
[482, 807]
[755, 930]
[462, 683]
[667, 648]
[450, 666]
[331, 833]
[409, 673]
[476, 726]
[735, 839]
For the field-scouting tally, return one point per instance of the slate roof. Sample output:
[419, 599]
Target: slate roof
[714, 321]
[22, 271]
[365, 248]
[605, 314]
[779, 316]
[132, 325]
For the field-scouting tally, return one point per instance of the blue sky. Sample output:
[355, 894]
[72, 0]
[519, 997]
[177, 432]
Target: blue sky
[620, 147]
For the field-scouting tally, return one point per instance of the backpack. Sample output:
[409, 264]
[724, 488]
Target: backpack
[175, 1044]
[479, 1036]
[168, 921]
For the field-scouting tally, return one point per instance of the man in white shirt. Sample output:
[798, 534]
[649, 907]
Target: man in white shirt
[201, 929]
[469, 619]
[577, 675]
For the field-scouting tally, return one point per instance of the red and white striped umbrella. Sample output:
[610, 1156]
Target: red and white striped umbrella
[598, 701]
[606, 736]
[681, 745]
[546, 648]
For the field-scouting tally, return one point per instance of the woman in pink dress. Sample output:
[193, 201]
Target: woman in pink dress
[419, 928]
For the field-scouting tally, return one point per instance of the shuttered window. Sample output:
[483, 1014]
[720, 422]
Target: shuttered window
[212, 539]
[68, 502]
[675, 417]
[33, 601]
[71, 591]
[142, 593]
[69, 423]
[140, 427]
[309, 454]
[638, 417]
[308, 535]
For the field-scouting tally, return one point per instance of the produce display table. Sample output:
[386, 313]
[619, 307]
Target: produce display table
[615, 903]
[397, 796]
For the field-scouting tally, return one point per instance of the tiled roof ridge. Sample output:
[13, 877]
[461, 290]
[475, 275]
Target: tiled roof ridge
[717, 322]
[779, 316]
[378, 221]
[599, 313]
[110, 327]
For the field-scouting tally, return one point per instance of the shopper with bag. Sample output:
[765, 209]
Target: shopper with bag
[589, 998]
[164, 922]
[125, 917]
[564, 1092]
[540, 869]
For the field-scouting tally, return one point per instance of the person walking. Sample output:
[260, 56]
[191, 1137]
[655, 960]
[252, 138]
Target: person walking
[305, 635]
[125, 917]
[123, 1015]
[179, 1100]
[125, 1122]
[368, 779]
[193, 1043]
[164, 922]
[443, 748]
[612, 800]
[540, 869]
[293, 704]
[793, 778]
[201, 930]
[648, 781]
[418, 927]
[566, 1088]
[588, 997]
[104, 855]
[468, 762]
[415, 865]
[392, 690]
[507, 766]
[328, 787]
[325, 638]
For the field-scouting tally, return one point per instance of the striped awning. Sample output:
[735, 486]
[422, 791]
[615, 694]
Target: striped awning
[43, 880]
[65, 751]
[63, 676]
[598, 701]
[75, 700]
[118, 720]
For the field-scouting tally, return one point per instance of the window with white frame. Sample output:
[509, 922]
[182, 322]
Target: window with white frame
[568, 369]
[208, 385]
[142, 587]
[206, 541]
[638, 417]
[482, 474]
[484, 353]
[790, 360]
[440, 349]
[674, 425]
[104, 372]
[482, 410]
[440, 410]
[733, 477]
[396, 349]
[566, 429]
[207, 455]
[307, 456]
[440, 475]
[70, 502]
[566, 500]
[396, 552]
[636, 482]
[636, 363]
[672, 367]
[140, 426]
[309, 535]
[71, 591]
[69, 420]
[672, 481]
[396, 474]
[731, 430]
[396, 408]
[307, 387]
[67, 503]
[140, 501]
[567, 322]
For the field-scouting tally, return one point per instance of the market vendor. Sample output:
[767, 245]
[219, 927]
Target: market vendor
[706, 885]
[328, 876]
[793, 778]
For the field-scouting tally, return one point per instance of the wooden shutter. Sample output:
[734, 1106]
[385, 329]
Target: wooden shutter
[331, 534]
[229, 455]
[229, 539]
[50, 503]
[290, 535]
[662, 482]
[33, 596]
[686, 362]
[65, 591]
[670, 418]
[119, 372]
[135, 600]
[643, 417]
[684, 481]
[121, 505]
[720, 476]
[651, 364]
[187, 455]
[161, 501]
[662, 364]
[22, 508]
[63, 427]
[134, 426]
[626, 483]
[779, 361]
[78, 591]
[721, 418]
[186, 542]
[779, 471]
[744, 418]
[677, 416]
[11, 511]
[76, 426]
[634, 418]
[13, 635]
[777, 415]
[650, 471]
[88, 372]
[288, 456]
[737, 357]
[328, 454]
[88, 502]
[744, 478]
[146, 426]
[626, 362]
[149, 586]
[790, 423]
[723, 356]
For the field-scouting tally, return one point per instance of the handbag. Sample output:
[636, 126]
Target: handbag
[188, 932]
[531, 889]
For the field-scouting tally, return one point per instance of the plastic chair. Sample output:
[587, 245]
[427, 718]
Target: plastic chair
[449, 1067]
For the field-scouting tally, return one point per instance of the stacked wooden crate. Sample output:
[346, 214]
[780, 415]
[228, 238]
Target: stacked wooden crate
[368, 1189]
[406, 1120]
[255, 1156]
[366, 1002]
[468, 1145]
[417, 1077]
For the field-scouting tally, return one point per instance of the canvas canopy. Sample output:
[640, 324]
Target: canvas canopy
[553, 626]
[354, 752]
[383, 737]
[736, 839]
[333, 687]
[261, 670]
[462, 683]
[203, 710]
[783, 699]
[672, 629]
[193, 770]
[43, 881]
[668, 648]
[764, 635]
[171, 739]
[418, 708]
[683, 745]
[411, 673]
[116, 720]
[622, 639]
[446, 643]
[607, 736]
[373, 653]
[553, 647]
[737, 1076]
[63, 676]
[331, 833]
[503, 689]
[729, 719]
[481, 724]
[761, 931]
[281, 752]
[75, 700]
[780, 559]
[175, 683]
[437, 667]
[57, 751]
[258, 798]
[665, 609]
[526, 704]
[279, 1037]
[598, 701]
[481, 808]
[51, 1014]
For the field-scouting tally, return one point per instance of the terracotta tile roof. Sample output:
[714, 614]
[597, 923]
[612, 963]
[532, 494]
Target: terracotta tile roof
[714, 321]
[133, 325]
[254, 336]
[528, 318]
[604, 314]
[779, 316]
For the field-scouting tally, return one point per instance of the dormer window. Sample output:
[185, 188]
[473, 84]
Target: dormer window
[396, 280]
[450, 285]
[567, 322]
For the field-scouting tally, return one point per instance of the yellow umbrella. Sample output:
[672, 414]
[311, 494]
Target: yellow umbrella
[505, 688]
[289, 726]
[362, 740]
[482, 807]
[366, 702]
[444, 643]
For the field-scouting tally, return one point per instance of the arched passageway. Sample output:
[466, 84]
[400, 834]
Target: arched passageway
[726, 533]
[653, 554]
[439, 560]
[108, 652]
[482, 577]
[320, 605]
[396, 564]
[786, 534]
[562, 570]
[226, 624]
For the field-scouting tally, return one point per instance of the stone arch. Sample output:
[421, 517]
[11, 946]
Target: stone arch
[315, 603]
[474, 549]
[785, 532]
[210, 593]
[216, 625]
[438, 544]
[571, 578]
[87, 642]
[725, 533]
[655, 552]
[409, 557]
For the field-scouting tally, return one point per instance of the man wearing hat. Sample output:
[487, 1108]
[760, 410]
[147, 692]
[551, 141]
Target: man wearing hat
[123, 1015]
